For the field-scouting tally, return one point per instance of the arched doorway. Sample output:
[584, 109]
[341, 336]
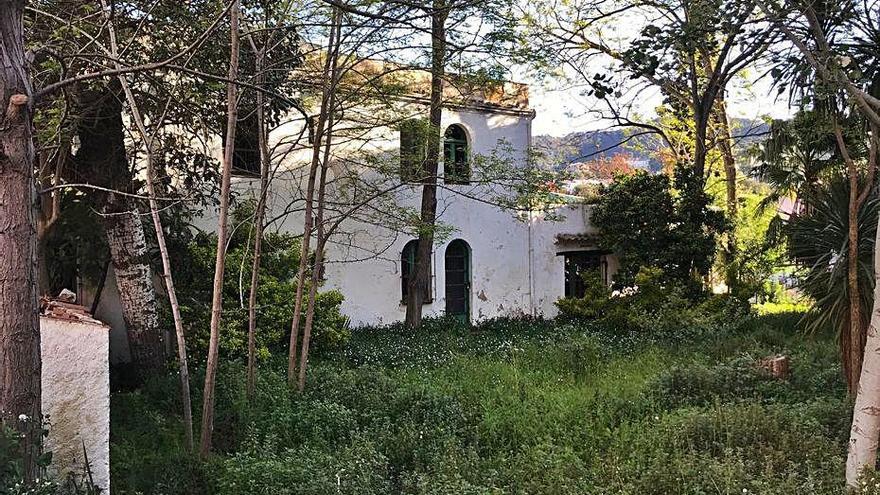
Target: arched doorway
[458, 280]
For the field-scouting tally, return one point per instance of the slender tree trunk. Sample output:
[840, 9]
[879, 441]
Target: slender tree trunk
[160, 236]
[315, 281]
[222, 227]
[856, 326]
[19, 321]
[421, 276]
[866, 412]
[258, 228]
[309, 208]
[725, 145]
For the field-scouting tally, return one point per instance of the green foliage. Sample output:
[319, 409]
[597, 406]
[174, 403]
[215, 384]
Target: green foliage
[595, 302]
[649, 224]
[653, 306]
[758, 256]
[869, 483]
[275, 294]
[12, 470]
[818, 240]
[515, 406]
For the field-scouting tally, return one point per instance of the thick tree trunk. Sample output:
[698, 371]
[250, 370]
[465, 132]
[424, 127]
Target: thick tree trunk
[222, 234]
[102, 160]
[134, 280]
[866, 412]
[422, 272]
[19, 321]
[308, 224]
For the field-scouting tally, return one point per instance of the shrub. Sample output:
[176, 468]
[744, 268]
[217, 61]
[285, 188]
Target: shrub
[649, 225]
[700, 385]
[593, 304]
[357, 469]
[275, 295]
[12, 471]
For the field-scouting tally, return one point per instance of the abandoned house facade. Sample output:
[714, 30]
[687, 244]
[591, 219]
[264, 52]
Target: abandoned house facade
[488, 260]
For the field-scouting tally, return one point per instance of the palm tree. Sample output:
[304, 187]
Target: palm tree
[802, 159]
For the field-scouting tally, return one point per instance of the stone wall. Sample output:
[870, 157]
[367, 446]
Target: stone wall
[76, 392]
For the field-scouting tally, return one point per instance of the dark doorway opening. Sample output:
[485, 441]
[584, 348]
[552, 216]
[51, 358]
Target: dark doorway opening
[458, 280]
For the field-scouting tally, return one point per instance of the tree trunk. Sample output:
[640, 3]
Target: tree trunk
[866, 412]
[19, 321]
[102, 160]
[128, 253]
[422, 273]
[316, 277]
[725, 145]
[160, 238]
[308, 224]
[319, 234]
[220, 265]
[856, 325]
[258, 240]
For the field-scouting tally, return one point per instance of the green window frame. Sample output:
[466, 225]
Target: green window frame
[456, 164]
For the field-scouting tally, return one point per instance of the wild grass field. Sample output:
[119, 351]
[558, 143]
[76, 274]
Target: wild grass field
[513, 407]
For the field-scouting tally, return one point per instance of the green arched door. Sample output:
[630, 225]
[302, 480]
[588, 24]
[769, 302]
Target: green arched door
[458, 280]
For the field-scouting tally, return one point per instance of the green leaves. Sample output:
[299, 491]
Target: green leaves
[648, 225]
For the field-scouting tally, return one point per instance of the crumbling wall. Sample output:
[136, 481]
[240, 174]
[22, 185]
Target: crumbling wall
[76, 392]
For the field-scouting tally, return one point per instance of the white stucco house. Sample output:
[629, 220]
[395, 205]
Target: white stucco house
[487, 261]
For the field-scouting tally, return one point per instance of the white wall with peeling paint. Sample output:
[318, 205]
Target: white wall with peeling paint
[516, 266]
[76, 397]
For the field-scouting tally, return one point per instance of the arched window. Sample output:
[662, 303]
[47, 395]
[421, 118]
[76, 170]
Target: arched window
[408, 268]
[455, 155]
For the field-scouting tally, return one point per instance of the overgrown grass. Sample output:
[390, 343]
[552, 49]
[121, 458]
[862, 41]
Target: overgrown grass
[518, 407]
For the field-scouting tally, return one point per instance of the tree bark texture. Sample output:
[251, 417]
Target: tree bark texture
[134, 279]
[422, 272]
[855, 342]
[866, 412]
[101, 160]
[19, 319]
[222, 234]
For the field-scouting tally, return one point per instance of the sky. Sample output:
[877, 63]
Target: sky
[560, 111]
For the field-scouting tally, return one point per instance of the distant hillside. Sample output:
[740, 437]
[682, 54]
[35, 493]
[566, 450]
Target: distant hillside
[584, 146]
